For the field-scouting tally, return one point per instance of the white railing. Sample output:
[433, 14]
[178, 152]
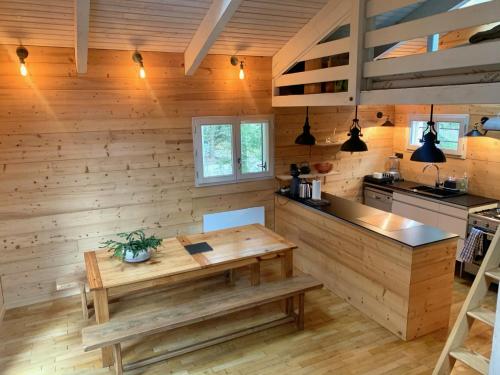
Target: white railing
[451, 67]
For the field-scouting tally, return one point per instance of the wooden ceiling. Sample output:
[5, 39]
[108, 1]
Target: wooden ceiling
[259, 27]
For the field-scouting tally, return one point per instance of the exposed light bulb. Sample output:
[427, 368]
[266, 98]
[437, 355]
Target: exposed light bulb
[242, 72]
[23, 70]
[142, 72]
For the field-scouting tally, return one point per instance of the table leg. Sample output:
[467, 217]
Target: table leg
[102, 316]
[255, 273]
[287, 272]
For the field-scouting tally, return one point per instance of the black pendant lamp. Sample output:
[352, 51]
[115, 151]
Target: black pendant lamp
[429, 152]
[354, 143]
[306, 138]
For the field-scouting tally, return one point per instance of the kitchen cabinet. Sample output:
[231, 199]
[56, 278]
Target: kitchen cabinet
[444, 217]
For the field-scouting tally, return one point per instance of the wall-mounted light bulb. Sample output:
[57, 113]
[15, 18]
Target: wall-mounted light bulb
[22, 54]
[137, 57]
[242, 71]
[23, 70]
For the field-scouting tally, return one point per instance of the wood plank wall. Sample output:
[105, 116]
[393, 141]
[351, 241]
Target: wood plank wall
[83, 158]
[482, 162]
[323, 121]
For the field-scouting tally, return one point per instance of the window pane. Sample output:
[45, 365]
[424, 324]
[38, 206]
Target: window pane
[217, 149]
[254, 148]
[417, 130]
[449, 135]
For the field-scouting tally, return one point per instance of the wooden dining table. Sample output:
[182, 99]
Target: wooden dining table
[171, 263]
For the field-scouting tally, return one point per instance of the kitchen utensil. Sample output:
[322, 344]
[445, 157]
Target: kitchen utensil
[304, 190]
[304, 168]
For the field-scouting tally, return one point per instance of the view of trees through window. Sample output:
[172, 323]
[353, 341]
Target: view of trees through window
[217, 150]
[253, 158]
[448, 134]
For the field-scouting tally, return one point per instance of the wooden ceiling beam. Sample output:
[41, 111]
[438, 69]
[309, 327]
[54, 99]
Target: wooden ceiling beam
[82, 13]
[218, 15]
[333, 15]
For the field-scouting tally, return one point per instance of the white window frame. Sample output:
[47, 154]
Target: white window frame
[463, 119]
[237, 175]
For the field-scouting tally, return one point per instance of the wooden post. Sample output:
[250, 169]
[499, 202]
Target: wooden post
[83, 296]
[255, 273]
[287, 272]
[102, 316]
[300, 316]
[230, 277]
[117, 355]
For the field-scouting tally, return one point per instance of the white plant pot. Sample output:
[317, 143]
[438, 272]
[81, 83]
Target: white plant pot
[140, 257]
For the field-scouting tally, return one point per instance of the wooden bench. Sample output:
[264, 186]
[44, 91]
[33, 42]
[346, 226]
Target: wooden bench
[76, 281]
[210, 305]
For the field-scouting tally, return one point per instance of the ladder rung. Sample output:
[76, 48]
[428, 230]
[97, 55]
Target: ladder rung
[484, 315]
[494, 274]
[471, 359]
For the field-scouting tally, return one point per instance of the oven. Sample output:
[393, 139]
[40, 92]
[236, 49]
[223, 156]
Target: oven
[488, 222]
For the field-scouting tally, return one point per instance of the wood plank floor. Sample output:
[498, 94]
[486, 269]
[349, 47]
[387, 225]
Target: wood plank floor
[45, 339]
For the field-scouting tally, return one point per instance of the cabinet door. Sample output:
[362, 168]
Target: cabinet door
[409, 211]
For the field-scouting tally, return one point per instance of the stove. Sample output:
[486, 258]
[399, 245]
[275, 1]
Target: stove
[487, 220]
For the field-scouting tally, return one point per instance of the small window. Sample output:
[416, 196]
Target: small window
[450, 128]
[232, 149]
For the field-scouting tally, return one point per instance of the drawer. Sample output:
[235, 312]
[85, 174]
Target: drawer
[419, 214]
[453, 211]
[452, 224]
[415, 201]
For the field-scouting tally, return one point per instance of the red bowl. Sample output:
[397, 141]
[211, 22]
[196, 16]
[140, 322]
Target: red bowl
[323, 167]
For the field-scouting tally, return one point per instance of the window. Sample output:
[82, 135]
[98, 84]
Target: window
[450, 130]
[231, 149]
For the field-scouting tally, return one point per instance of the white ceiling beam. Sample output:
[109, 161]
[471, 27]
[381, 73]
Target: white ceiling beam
[333, 15]
[82, 13]
[218, 15]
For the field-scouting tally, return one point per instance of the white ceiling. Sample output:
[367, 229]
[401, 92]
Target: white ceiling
[259, 27]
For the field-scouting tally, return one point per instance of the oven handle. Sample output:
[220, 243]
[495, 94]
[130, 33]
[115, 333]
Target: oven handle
[489, 235]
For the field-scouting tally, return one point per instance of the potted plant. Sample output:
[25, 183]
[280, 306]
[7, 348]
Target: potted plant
[136, 247]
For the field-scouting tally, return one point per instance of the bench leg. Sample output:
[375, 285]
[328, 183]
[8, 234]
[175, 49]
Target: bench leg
[230, 277]
[117, 355]
[300, 316]
[83, 295]
[287, 272]
[255, 273]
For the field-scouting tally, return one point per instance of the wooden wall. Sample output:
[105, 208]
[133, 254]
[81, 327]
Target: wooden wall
[323, 121]
[83, 158]
[482, 163]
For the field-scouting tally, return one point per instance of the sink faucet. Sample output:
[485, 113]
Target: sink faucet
[438, 180]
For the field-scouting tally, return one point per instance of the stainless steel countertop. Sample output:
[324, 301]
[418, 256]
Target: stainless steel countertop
[405, 231]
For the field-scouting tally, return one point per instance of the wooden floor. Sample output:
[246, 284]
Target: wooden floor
[338, 339]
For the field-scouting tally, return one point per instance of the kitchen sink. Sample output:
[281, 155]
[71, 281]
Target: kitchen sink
[435, 192]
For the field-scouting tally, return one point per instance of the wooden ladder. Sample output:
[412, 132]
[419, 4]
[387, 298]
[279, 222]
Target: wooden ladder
[472, 310]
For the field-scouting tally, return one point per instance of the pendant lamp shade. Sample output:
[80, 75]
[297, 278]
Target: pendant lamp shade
[429, 152]
[354, 143]
[306, 138]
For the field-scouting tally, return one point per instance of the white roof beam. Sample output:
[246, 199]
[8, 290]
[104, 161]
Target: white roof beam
[82, 13]
[218, 15]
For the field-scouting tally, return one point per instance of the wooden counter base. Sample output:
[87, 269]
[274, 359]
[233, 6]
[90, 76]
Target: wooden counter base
[406, 290]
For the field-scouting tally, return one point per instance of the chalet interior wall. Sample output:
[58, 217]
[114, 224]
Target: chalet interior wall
[482, 163]
[83, 158]
[324, 121]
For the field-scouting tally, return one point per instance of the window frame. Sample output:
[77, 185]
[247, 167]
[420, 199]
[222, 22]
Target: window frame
[235, 122]
[463, 119]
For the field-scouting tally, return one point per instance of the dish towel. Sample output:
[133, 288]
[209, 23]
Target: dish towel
[473, 246]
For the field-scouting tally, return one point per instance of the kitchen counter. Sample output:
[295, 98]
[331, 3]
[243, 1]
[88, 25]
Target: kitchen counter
[396, 271]
[466, 201]
[405, 231]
